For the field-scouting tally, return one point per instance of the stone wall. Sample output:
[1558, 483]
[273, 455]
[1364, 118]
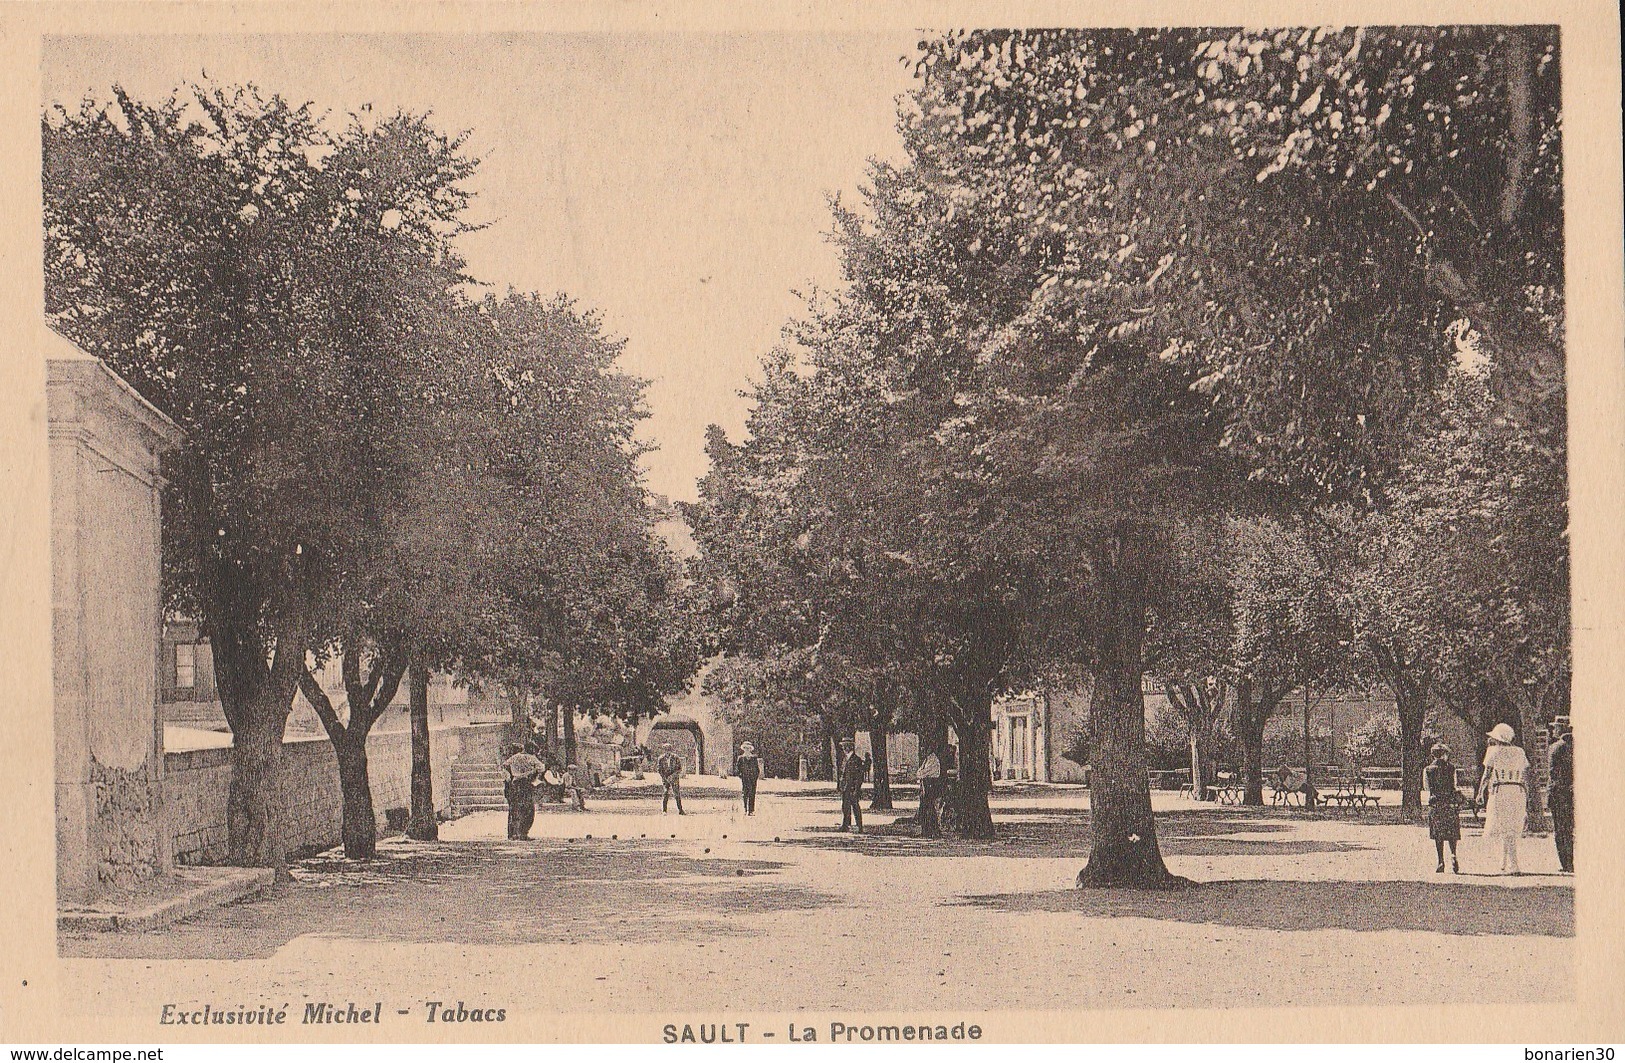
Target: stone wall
[196, 783]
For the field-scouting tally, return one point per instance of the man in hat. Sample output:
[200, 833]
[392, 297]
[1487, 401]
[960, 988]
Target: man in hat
[748, 767]
[519, 774]
[670, 767]
[1560, 797]
[850, 783]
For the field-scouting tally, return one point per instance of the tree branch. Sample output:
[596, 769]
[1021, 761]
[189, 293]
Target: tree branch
[391, 669]
[1519, 73]
[319, 701]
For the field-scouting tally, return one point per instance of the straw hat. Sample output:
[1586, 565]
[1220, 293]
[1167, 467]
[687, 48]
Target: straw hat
[1440, 750]
[746, 747]
[1503, 733]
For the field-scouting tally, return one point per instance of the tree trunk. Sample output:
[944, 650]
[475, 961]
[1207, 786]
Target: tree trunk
[829, 750]
[1535, 820]
[421, 825]
[880, 801]
[1412, 709]
[1252, 716]
[254, 835]
[1122, 828]
[975, 767]
[1252, 763]
[1308, 742]
[518, 716]
[368, 698]
[569, 726]
[359, 828]
[255, 698]
[1201, 766]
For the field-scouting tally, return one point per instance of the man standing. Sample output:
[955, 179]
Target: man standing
[749, 769]
[1560, 798]
[670, 767]
[578, 777]
[853, 769]
[930, 777]
[519, 773]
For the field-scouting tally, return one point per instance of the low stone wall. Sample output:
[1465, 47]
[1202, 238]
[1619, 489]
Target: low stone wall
[196, 784]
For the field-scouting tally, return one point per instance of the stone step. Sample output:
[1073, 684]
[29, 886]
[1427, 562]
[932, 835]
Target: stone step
[465, 809]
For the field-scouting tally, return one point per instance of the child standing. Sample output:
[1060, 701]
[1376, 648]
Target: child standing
[1444, 805]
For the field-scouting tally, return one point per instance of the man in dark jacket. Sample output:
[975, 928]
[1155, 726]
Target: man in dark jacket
[853, 770]
[670, 767]
[1560, 798]
[749, 769]
[519, 773]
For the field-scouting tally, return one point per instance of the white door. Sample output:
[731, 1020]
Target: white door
[1020, 749]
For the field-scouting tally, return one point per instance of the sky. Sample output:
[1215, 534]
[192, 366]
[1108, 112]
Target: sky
[677, 183]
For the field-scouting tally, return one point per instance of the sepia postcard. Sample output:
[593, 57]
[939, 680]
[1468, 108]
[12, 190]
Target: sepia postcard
[929, 523]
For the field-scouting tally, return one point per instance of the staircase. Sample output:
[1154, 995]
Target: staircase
[476, 786]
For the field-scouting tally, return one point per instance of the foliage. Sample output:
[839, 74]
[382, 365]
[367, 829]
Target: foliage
[1375, 741]
[375, 468]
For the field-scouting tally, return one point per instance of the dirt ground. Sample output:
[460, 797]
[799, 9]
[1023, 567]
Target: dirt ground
[623, 909]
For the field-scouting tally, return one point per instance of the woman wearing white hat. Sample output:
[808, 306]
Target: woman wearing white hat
[1502, 794]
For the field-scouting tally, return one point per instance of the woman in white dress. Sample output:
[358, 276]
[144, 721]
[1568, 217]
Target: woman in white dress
[1502, 794]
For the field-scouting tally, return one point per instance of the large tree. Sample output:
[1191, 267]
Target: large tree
[244, 265]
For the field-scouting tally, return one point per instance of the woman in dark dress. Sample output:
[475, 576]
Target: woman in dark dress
[1444, 806]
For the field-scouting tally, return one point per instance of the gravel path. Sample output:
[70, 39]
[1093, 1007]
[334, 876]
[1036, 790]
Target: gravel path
[716, 912]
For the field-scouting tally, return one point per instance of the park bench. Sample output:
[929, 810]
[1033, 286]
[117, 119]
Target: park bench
[1169, 780]
[1282, 791]
[1229, 790]
[1348, 791]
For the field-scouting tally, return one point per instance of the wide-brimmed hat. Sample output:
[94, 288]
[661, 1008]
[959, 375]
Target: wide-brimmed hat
[746, 747]
[1440, 749]
[846, 741]
[1503, 733]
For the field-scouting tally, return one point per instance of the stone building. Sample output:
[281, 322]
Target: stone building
[710, 750]
[105, 444]
[1033, 733]
[188, 698]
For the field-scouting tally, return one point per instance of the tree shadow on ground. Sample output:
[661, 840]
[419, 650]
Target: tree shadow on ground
[1269, 904]
[480, 894]
[1042, 832]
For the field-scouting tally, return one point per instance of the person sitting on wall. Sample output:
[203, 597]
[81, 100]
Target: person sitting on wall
[552, 783]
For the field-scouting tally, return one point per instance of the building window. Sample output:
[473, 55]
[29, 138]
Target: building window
[185, 665]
